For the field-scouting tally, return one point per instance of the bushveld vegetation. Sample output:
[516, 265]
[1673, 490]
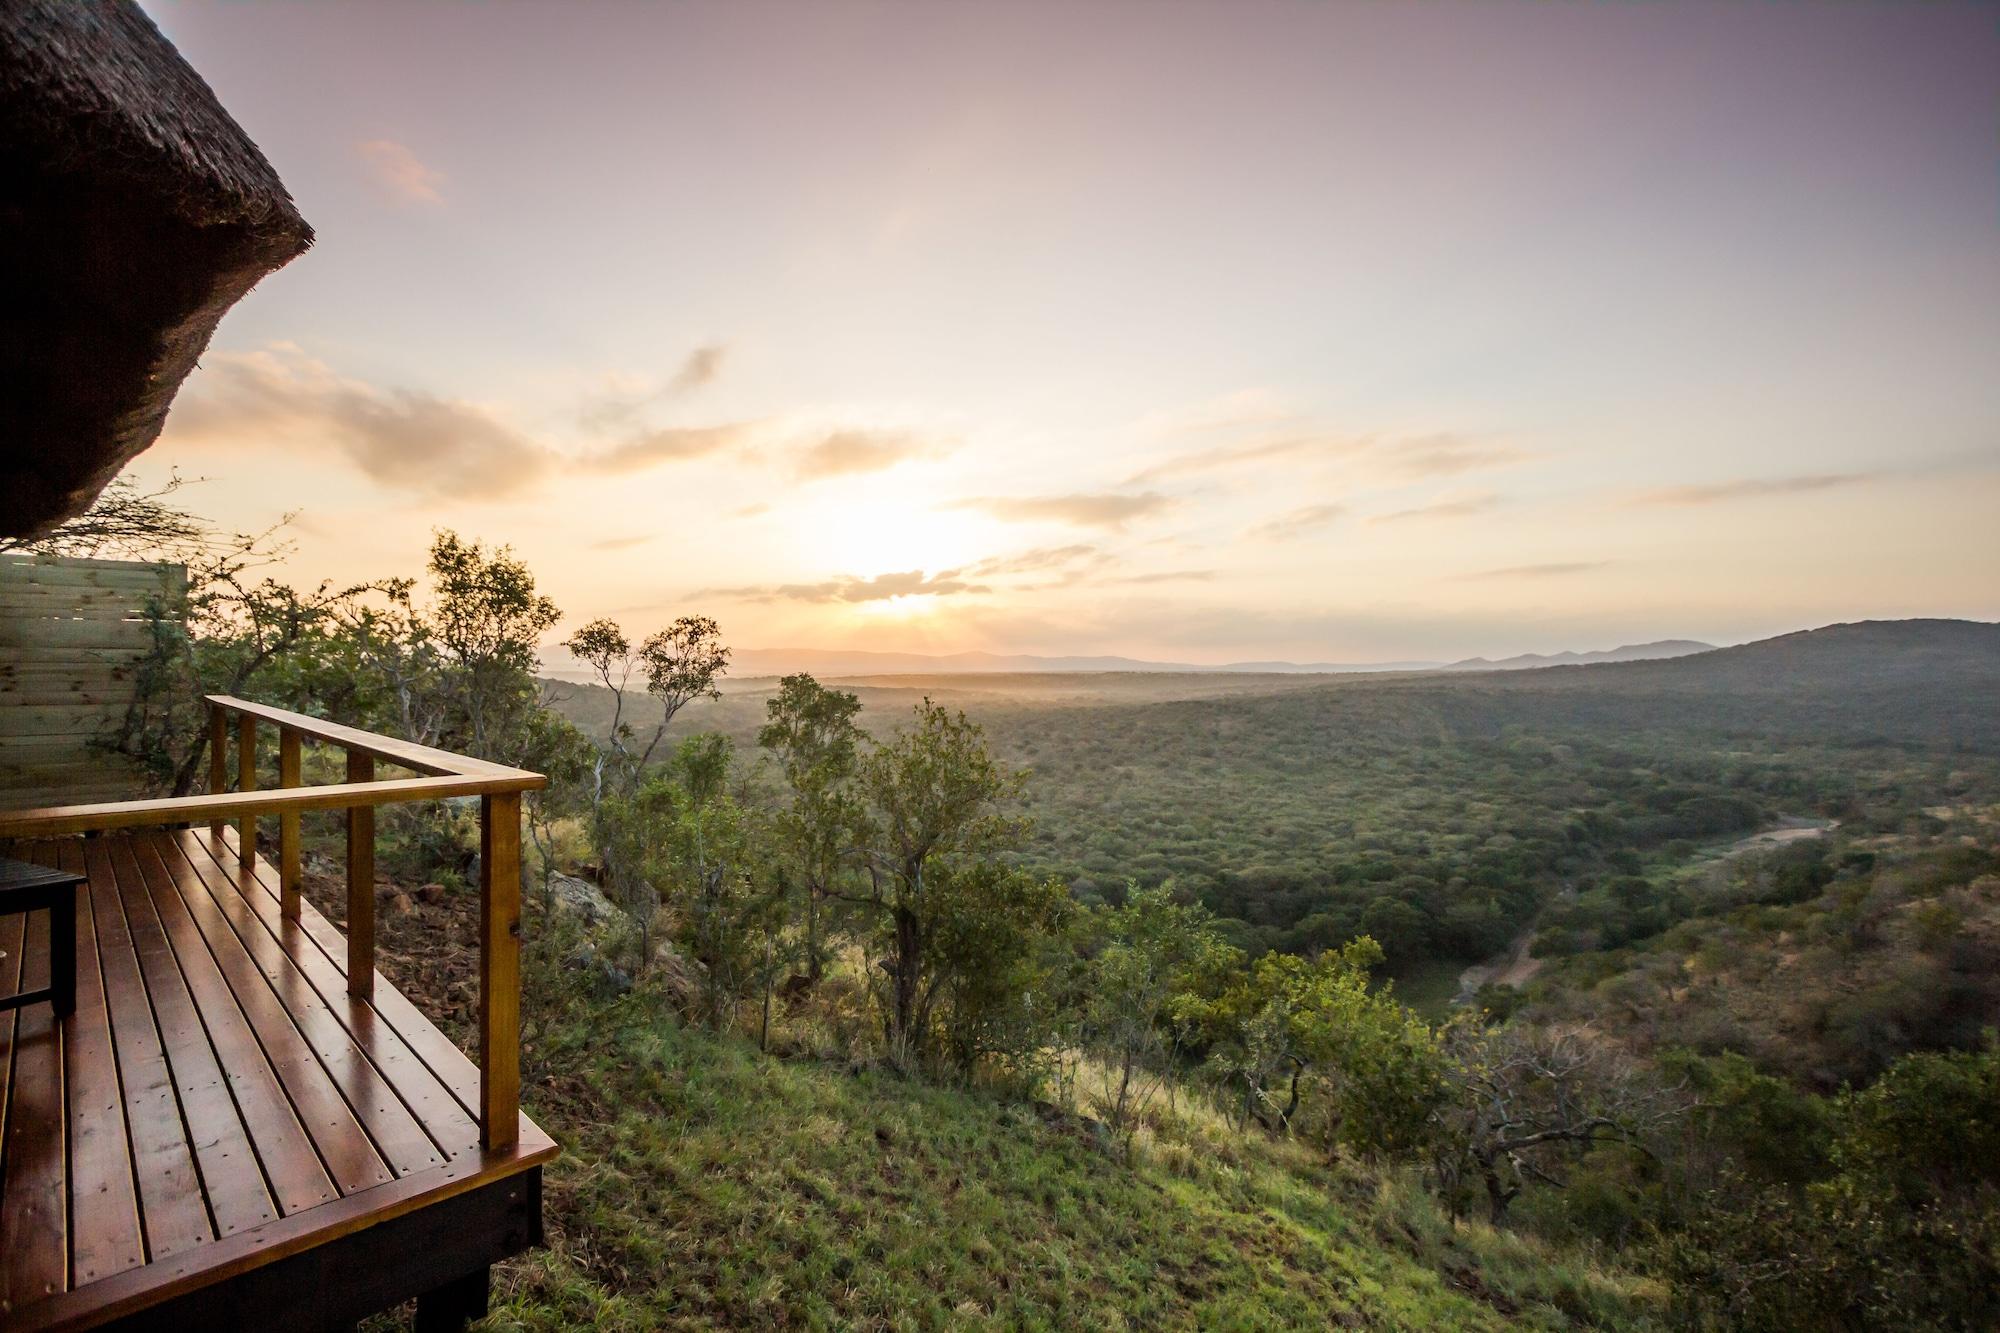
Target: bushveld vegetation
[910, 1020]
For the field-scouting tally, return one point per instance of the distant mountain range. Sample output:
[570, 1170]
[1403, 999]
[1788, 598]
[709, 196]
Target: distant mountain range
[835, 663]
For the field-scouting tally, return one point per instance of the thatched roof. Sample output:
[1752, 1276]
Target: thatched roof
[133, 213]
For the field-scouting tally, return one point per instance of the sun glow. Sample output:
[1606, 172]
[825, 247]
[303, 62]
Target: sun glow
[862, 532]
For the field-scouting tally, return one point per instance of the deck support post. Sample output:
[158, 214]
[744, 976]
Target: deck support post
[246, 780]
[450, 1307]
[499, 969]
[360, 883]
[288, 826]
[218, 760]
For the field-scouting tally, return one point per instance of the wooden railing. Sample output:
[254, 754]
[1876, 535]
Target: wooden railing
[442, 774]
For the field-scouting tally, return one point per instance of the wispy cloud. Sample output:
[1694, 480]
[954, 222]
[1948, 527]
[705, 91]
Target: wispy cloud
[1166, 576]
[847, 588]
[1751, 488]
[1107, 510]
[671, 444]
[1037, 560]
[700, 368]
[405, 439]
[620, 543]
[617, 403]
[1297, 522]
[1553, 570]
[1445, 455]
[848, 452]
[1227, 457]
[399, 173]
[751, 510]
[1461, 507]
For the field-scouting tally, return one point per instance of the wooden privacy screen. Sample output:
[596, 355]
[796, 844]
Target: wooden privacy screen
[71, 634]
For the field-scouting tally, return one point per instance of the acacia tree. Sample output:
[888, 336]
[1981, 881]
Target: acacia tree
[487, 620]
[812, 732]
[936, 795]
[1153, 953]
[1526, 1099]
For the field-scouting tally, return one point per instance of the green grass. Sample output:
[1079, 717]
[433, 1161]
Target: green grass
[703, 1184]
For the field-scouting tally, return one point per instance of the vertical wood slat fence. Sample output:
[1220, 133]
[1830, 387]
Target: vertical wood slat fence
[71, 634]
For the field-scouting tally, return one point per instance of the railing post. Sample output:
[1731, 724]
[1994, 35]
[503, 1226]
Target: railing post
[499, 969]
[288, 825]
[218, 760]
[246, 780]
[360, 883]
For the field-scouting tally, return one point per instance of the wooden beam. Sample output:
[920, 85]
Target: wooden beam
[499, 970]
[246, 781]
[218, 759]
[288, 823]
[360, 882]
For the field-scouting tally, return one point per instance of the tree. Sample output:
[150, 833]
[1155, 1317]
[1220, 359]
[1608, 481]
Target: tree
[707, 861]
[1526, 1099]
[936, 795]
[488, 621]
[811, 730]
[1153, 953]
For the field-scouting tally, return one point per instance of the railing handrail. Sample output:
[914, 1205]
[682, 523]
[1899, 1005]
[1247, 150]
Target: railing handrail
[445, 774]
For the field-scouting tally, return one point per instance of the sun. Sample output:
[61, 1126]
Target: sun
[865, 533]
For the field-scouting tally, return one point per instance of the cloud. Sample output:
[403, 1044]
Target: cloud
[1298, 522]
[397, 171]
[1446, 455]
[1036, 560]
[1408, 458]
[1556, 569]
[848, 588]
[703, 364]
[1751, 488]
[671, 444]
[1462, 507]
[1103, 510]
[751, 510]
[620, 543]
[406, 439]
[1167, 576]
[623, 397]
[1229, 456]
[849, 452]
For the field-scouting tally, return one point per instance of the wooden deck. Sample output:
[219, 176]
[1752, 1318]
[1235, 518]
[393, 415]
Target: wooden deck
[220, 1110]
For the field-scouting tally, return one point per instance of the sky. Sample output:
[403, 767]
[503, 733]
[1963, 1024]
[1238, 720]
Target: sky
[1198, 332]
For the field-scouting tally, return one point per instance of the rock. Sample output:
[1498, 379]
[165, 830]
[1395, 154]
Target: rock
[431, 893]
[583, 898]
[400, 904]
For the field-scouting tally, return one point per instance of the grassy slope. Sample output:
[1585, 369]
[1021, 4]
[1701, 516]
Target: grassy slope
[705, 1184]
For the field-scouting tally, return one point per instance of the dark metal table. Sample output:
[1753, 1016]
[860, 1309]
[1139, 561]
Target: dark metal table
[25, 887]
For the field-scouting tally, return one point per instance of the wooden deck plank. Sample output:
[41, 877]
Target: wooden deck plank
[190, 977]
[11, 927]
[297, 1177]
[231, 1180]
[342, 1145]
[452, 1066]
[172, 1210]
[104, 1205]
[387, 1025]
[367, 1078]
[34, 1212]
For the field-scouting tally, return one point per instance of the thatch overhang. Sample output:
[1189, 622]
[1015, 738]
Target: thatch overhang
[133, 213]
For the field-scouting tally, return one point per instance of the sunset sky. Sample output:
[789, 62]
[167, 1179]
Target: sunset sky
[1201, 332]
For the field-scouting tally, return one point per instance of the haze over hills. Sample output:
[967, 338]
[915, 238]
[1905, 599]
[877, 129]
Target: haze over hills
[836, 663]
